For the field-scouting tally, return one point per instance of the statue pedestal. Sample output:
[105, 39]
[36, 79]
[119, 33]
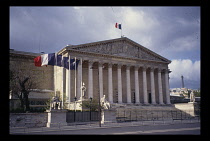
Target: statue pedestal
[192, 102]
[56, 118]
[108, 116]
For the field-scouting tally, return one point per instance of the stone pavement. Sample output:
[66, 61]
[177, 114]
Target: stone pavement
[95, 125]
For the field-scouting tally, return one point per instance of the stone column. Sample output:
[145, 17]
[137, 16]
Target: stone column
[110, 85]
[145, 85]
[68, 83]
[136, 75]
[152, 85]
[62, 86]
[167, 87]
[160, 87]
[100, 67]
[128, 84]
[79, 80]
[119, 76]
[90, 79]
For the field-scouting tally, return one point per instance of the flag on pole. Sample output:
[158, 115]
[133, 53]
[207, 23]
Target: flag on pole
[45, 59]
[74, 64]
[55, 60]
[119, 26]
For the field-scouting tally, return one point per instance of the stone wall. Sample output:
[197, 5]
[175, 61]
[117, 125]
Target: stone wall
[42, 76]
[28, 119]
[176, 111]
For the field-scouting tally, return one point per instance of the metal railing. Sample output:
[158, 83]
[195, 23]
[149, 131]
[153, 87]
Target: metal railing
[152, 115]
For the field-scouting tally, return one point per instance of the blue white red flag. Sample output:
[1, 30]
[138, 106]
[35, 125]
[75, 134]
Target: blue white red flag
[119, 26]
[45, 59]
[55, 60]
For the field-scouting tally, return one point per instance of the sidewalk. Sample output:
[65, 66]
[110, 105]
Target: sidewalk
[95, 125]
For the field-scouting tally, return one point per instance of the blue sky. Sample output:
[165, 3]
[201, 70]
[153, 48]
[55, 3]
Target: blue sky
[172, 32]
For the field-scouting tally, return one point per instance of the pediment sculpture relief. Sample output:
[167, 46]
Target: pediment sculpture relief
[123, 49]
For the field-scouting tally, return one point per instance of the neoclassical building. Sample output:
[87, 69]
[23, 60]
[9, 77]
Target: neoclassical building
[121, 69]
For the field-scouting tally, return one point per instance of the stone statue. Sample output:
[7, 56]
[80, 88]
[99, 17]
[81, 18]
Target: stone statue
[83, 89]
[104, 103]
[192, 97]
[55, 103]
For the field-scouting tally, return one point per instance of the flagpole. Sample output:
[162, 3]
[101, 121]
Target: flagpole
[55, 71]
[121, 30]
[62, 81]
[69, 87]
[75, 77]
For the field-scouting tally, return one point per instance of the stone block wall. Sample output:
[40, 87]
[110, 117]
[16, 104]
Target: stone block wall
[28, 119]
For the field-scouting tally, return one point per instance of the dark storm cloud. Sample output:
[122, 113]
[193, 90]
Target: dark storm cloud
[173, 32]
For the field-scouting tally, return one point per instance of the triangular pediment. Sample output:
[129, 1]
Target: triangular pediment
[122, 47]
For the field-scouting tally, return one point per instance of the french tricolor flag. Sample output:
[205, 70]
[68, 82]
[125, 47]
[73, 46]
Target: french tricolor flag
[48, 59]
[119, 26]
[56, 60]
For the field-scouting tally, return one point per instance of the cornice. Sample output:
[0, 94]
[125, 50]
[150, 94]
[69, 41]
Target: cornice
[77, 47]
[113, 56]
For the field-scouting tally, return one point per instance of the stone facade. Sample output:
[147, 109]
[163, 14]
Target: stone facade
[42, 76]
[25, 61]
[122, 70]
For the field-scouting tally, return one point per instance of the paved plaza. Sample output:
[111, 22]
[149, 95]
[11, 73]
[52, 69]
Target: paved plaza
[146, 127]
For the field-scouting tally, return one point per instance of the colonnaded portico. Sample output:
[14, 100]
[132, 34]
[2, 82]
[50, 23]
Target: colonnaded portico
[120, 69]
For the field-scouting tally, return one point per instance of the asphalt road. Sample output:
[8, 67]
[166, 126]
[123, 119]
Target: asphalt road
[176, 129]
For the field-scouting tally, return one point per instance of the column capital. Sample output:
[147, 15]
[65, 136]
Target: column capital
[152, 68]
[100, 63]
[166, 70]
[119, 65]
[91, 62]
[110, 65]
[159, 70]
[137, 67]
[128, 66]
[144, 68]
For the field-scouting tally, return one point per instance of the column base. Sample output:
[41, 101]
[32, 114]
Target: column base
[138, 104]
[146, 104]
[168, 104]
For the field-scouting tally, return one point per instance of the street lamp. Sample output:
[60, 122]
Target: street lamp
[90, 107]
[75, 107]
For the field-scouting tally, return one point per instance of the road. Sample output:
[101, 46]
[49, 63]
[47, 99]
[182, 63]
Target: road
[175, 129]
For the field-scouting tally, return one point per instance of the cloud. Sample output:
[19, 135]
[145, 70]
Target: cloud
[172, 32]
[190, 70]
[187, 43]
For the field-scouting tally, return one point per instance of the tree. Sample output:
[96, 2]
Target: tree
[197, 93]
[93, 105]
[21, 83]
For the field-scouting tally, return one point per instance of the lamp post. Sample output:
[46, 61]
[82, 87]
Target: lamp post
[90, 107]
[75, 107]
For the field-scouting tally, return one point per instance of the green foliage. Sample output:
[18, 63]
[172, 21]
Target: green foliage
[197, 93]
[17, 110]
[90, 105]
